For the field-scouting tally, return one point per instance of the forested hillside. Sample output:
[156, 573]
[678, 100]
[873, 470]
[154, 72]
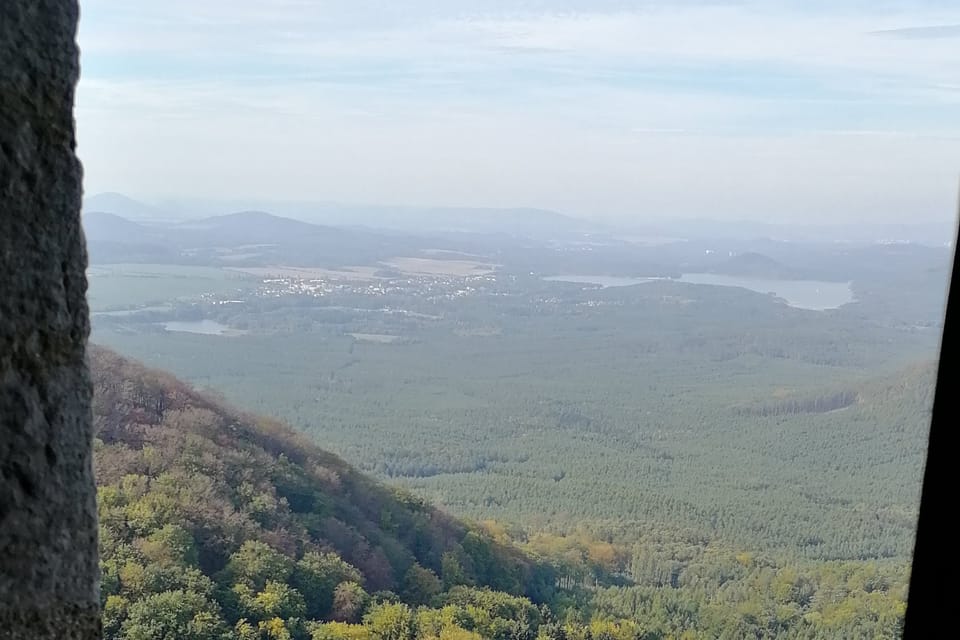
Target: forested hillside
[221, 525]
[212, 520]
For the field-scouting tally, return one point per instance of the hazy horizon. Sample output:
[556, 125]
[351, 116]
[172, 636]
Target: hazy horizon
[536, 221]
[781, 112]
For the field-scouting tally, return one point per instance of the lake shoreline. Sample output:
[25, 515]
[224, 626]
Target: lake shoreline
[813, 295]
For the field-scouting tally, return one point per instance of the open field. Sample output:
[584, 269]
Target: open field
[405, 265]
[434, 267]
[310, 273]
[376, 338]
[115, 286]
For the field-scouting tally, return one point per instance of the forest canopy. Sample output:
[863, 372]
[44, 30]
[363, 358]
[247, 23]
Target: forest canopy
[215, 524]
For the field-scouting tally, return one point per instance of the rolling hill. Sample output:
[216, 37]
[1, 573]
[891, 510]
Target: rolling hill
[109, 227]
[258, 226]
[243, 238]
[512, 222]
[125, 206]
[113, 238]
[755, 265]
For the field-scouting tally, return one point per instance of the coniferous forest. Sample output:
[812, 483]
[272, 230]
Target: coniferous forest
[445, 446]
[219, 524]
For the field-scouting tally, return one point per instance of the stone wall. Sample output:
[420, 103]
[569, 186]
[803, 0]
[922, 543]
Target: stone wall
[48, 526]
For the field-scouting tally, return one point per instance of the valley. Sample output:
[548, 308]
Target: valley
[676, 421]
[476, 385]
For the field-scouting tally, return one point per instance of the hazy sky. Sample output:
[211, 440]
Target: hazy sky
[796, 111]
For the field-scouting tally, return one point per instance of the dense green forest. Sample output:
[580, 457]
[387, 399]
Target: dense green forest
[661, 460]
[217, 524]
[662, 406]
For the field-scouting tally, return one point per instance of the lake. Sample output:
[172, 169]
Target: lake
[205, 327]
[803, 294]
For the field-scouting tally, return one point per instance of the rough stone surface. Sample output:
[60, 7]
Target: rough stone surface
[48, 526]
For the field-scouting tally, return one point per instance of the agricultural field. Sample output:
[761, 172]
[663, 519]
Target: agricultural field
[123, 286]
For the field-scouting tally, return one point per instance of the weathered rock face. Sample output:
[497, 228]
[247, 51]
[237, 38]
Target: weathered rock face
[48, 524]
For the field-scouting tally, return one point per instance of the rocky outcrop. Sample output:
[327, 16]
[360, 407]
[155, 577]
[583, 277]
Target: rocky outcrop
[48, 523]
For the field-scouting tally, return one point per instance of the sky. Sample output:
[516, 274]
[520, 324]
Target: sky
[777, 110]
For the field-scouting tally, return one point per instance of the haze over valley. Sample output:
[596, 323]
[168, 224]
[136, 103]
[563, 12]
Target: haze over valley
[674, 398]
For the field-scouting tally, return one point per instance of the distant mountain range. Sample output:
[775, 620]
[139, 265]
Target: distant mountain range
[538, 224]
[260, 227]
[120, 229]
[238, 239]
